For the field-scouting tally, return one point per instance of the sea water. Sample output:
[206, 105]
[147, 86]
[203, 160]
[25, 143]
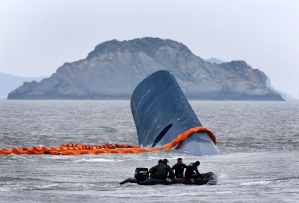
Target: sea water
[259, 160]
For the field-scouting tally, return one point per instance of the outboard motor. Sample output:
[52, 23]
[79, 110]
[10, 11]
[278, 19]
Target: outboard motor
[141, 174]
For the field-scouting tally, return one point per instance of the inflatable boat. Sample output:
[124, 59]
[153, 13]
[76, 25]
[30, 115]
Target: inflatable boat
[141, 177]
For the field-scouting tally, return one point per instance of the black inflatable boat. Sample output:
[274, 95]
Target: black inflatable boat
[141, 177]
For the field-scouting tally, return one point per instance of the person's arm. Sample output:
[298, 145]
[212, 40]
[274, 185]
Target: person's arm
[196, 170]
[171, 172]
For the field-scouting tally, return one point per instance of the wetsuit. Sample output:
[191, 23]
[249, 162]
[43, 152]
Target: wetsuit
[190, 172]
[179, 170]
[161, 171]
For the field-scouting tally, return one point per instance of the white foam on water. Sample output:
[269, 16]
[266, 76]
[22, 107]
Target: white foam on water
[47, 186]
[225, 192]
[264, 182]
[96, 160]
[4, 189]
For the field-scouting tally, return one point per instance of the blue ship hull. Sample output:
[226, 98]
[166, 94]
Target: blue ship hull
[161, 112]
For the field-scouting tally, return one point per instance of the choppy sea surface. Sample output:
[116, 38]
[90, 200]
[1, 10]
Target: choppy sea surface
[259, 142]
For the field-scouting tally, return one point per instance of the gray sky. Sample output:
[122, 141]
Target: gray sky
[37, 36]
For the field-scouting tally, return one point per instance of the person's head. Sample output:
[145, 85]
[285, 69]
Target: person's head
[197, 163]
[160, 161]
[180, 161]
[165, 161]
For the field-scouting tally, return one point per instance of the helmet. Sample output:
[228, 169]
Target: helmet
[165, 161]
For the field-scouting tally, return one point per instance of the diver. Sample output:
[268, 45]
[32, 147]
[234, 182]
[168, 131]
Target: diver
[153, 170]
[162, 170]
[189, 174]
[179, 168]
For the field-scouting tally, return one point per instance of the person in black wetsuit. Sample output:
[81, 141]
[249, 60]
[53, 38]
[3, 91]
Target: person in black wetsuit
[189, 174]
[179, 168]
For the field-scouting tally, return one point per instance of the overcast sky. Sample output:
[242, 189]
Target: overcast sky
[37, 36]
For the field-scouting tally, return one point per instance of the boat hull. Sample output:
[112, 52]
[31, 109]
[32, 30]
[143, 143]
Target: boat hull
[162, 112]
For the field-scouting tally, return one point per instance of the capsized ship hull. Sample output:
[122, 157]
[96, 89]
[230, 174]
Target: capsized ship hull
[161, 112]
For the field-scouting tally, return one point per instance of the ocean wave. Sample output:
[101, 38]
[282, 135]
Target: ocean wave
[97, 160]
[263, 182]
[4, 189]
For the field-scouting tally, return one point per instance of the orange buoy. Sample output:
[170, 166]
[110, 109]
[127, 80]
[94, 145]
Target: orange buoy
[138, 150]
[78, 149]
[153, 149]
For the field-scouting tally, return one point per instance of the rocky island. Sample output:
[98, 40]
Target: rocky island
[114, 68]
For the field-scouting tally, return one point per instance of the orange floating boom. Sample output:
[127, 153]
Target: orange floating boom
[78, 149]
